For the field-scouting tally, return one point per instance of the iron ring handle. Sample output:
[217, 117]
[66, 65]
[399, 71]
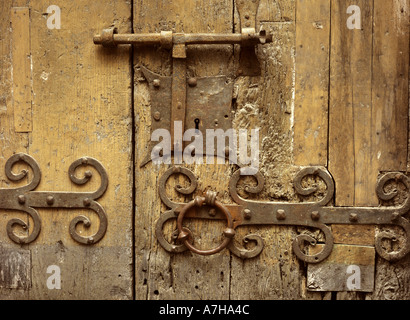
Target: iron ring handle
[229, 232]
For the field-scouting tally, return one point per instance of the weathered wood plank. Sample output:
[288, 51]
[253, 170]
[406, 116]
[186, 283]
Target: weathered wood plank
[267, 102]
[350, 106]
[15, 268]
[354, 234]
[276, 11]
[350, 114]
[390, 98]
[10, 141]
[162, 275]
[21, 55]
[348, 268]
[312, 82]
[82, 107]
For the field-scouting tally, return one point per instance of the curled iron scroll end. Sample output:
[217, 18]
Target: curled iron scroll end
[316, 258]
[233, 185]
[88, 161]
[27, 159]
[193, 183]
[18, 222]
[404, 250]
[389, 195]
[172, 248]
[245, 253]
[320, 172]
[86, 222]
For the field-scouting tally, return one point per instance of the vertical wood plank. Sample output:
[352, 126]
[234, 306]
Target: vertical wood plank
[390, 84]
[350, 152]
[10, 141]
[21, 55]
[312, 82]
[82, 107]
[161, 275]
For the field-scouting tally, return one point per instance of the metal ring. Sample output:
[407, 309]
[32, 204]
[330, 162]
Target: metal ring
[229, 232]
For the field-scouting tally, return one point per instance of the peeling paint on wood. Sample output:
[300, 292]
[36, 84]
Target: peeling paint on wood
[348, 268]
[15, 268]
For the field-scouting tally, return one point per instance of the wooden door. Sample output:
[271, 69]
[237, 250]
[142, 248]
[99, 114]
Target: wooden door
[332, 92]
[64, 100]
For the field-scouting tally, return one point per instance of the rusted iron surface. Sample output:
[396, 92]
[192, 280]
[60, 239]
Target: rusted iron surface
[109, 38]
[26, 199]
[319, 215]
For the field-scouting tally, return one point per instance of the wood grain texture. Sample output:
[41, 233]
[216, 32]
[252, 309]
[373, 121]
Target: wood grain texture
[267, 102]
[333, 274]
[312, 82]
[81, 107]
[21, 55]
[10, 141]
[160, 275]
[390, 96]
[350, 109]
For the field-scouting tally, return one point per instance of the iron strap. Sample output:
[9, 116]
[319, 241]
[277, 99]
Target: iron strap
[318, 215]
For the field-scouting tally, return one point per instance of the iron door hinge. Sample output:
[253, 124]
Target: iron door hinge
[318, 215]
[25, 199]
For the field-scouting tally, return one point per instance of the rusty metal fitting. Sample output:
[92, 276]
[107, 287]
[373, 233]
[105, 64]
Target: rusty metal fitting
[210, 197]
[280, 214]
[247, 214]
[106, 38]
[192, 82]
[229, 232]
[395, 216]
[166, 41]
[21, 199]
[353, 217]
[50, 200]
[315, 215]
[199, 201]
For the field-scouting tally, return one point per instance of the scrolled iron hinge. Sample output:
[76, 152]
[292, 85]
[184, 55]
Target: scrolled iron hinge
[25, 199]
[318, 215]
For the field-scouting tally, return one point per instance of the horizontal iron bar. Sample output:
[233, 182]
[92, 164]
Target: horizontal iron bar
[148, 39]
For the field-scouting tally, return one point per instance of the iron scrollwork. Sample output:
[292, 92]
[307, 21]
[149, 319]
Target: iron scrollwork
[319, 214]
[25, 199]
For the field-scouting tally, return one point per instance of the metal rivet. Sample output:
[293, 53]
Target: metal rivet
[50, 200]
[353, 217]
[87, 202]
[90, 240]
[84, 160]
[315, 215]
[280, 214]
[156, 83]
[395, 216]
[246, 16]
[212, 212]
[88, 174]
[157, 116]
[229, 233]
[247, 214]
[21, 199]
[192, 82]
